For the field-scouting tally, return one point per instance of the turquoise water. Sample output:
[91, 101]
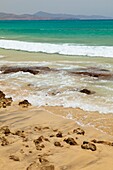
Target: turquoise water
[82, 45]
[94, 32]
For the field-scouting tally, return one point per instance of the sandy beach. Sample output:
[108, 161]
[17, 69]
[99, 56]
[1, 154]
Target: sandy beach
[43, 138]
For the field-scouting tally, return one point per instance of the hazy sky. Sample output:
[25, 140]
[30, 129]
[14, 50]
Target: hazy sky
[87, 7]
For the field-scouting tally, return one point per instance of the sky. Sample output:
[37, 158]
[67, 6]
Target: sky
[85, 7]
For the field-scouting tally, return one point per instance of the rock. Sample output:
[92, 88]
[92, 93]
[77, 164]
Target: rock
[79, 131]
[5, 130]
[86, 91]
[43, 161]
[57, 144]
[102, 142]
[33, 166]
[4, 141]
[2, 95]
[33, 69]
[59, 135]
[4, 102]
[89, 146]
[48, 167]
[24, 103]
[39, 147]
[39, 140]
[15, 158]
[20, 133]
[70, 141]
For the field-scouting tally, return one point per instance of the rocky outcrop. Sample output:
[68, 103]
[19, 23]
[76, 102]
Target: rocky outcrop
[24, 103]
[33, 69]
[4, 102]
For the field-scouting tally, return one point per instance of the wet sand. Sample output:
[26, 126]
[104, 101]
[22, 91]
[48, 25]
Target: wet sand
[43, 138]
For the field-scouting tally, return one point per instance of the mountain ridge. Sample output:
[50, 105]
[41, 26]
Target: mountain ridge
[50, 16]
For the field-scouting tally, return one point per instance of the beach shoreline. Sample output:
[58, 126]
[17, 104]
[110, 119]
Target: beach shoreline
[28, 124]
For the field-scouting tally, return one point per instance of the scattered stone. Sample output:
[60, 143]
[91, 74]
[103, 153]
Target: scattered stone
[24, 103]
[79, 131]
[57, 144]
[59, 135]
[89, 146]
[15, 158]
[2, 95]
[102, 142]
[70, 141]
[4, 102]
[43, 161]
[51, 136]
[5, 130]
[20, 133]
[48, 167]
[39, 140]
[4, 141]
[86, 91]
[33, 166]
[39, 147]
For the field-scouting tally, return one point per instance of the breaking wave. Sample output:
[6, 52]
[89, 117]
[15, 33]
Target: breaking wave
[64, 49]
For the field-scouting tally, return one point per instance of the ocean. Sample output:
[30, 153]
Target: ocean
[67, 46]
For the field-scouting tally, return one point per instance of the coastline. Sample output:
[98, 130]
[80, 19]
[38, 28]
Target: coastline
[34, 122]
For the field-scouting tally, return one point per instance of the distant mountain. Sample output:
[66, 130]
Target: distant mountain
[48, 16]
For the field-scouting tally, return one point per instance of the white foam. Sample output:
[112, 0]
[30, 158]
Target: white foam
[65, 49]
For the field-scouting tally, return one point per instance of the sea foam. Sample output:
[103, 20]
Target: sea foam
[64, 49]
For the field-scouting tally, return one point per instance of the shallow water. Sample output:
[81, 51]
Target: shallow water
[58, 88]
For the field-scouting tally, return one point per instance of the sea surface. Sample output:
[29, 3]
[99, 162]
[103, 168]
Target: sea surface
[67, 46]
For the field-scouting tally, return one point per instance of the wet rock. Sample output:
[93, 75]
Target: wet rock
[13, 157]
[2, 95]
[102, 142]
[4, 102]
[79, 131]
[4, 141]
[33, 69]
[59, 135]
[70, 141]
[24, 103]
[89, 146]
[57, 144]
[86, 91]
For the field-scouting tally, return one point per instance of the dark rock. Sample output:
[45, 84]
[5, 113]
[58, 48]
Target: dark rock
[89, 146]
[6, 130]
[57, 144]
[39, 140]
[20, 133]
[4, 141]
[59, 135]
[102, 142]
[86, 91]
[43, 160]
[2, 95]
[15, 158]
[79, 131]
[70, 141]
[33, 69]
[24, 103]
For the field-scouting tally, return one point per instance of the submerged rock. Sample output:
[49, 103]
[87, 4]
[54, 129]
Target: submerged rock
[86, 91]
